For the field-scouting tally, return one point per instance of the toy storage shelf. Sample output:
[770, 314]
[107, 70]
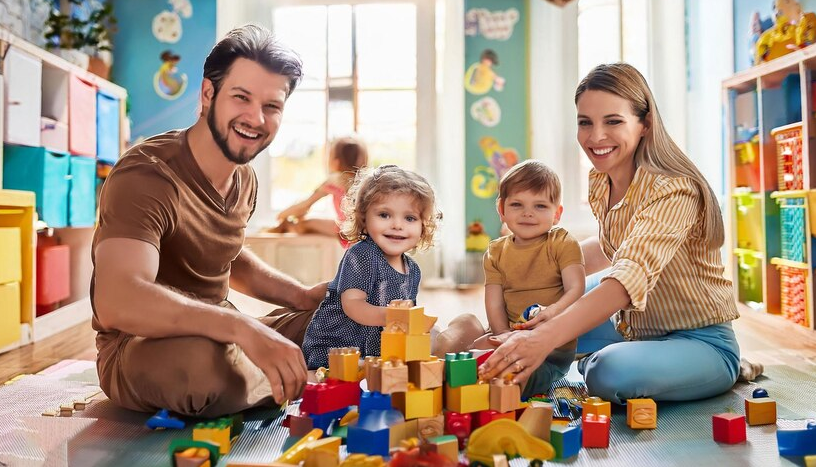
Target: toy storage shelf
[771, 177]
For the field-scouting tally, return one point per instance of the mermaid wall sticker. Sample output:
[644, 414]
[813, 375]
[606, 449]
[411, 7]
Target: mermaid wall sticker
[485, 180]
[480, 77]
[168, 82]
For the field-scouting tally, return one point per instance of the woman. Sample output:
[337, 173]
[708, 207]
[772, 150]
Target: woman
[661, 226]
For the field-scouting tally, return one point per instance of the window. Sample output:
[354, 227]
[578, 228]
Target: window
[360, 67]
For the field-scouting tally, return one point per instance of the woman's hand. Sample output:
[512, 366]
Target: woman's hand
[519, 353]
[542, 316]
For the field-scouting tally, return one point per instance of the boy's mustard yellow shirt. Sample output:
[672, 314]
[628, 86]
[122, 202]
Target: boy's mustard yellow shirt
[532, 273]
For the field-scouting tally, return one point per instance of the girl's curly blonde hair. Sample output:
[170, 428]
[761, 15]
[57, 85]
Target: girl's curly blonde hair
[371, 184]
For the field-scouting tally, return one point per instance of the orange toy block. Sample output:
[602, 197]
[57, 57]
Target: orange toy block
[417, 347]
[595, 431]
[430, 427]
[321, 459]
[467, 399]
[596, 406]
[641, 414]
[417, 403]
[446, 445]
[504, 396]
[394, 377]
[537, 419]
[392, 345]
[371, 373]
[426, 375]
[192, 457]
[344, 363]
[402, 431]
[761, 411]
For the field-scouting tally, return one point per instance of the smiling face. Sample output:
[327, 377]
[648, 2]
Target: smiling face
[529, 215]
[245, 114]
[609, 132]
[394, 222]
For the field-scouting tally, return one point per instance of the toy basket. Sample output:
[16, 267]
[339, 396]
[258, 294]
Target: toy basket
[746, 164]
[748, 212]
[789, 156]
[793, 291]
[792, 222]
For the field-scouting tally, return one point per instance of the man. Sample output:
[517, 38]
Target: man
[169, 244]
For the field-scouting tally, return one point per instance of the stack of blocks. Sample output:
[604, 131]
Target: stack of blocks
[596, 420]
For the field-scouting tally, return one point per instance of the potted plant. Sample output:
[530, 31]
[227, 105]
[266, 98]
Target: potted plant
[84, 41]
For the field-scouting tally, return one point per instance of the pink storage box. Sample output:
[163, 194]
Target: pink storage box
[53, 134]
[81, 117]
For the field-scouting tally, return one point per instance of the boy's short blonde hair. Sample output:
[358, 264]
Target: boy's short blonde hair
[371, 184]
[532, 175]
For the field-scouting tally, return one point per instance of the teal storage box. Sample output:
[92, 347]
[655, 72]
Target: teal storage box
[107, 128]
[44, 172]
[82, 192]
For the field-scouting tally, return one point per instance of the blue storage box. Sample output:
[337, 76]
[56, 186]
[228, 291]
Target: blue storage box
[107, 128]
[82, 192]
[44, 172]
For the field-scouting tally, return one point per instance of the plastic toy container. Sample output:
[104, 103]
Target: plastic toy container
[788, 140]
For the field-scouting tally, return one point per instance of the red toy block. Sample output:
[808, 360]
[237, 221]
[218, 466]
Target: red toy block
[320, 398]
[483, 358]
[595, 429]
[459, 425]
[299, 425]
[486, 416]
[728, 428]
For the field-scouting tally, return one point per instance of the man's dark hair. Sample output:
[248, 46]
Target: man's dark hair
[257, 44]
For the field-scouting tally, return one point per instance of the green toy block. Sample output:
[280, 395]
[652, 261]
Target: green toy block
[460, 369]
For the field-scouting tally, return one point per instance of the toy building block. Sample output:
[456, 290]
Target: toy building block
[446, 445]
[566, 440]
[374, 401]
[537, 419]
[415, 403]
[330, 445]
[500, 460]
[641, 414]
[428, 374]
[504, 396]
[486, 416]
[430, 427]
[596, 406]
[330, 396]
[185, 446]
[759, 393]
[760, 411]
[797, 442]
[369, 434]
[468, 399]
[371, 373]
[459, 425]
[324, 420]
[392, 345]
[460, 369]
[595, 431]
[400, 318]
[297, 452]
[344, 363]
[322, 459]
[417, 347]
[506, 436]
[217, 431]
[810, 461]
[402, 431]
[728, 428]
[192, 457]
[163, 420]
[299, 425]
[361, 460]
[482, 356]
[393, 377]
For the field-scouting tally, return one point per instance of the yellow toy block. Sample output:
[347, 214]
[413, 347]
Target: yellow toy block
[392, 345]
[596, 406]
[417, 347]
[760, 411]
[405, 320]
[344, 363]
[414, 403]
[362, 460]
[504, 397]
[192, 457]
[322, 459]
[426, 375]
[217, 431]
[641, 414]
[810, 461]
[430, 427]
[537, 419]
[401, 431]
[469, 398]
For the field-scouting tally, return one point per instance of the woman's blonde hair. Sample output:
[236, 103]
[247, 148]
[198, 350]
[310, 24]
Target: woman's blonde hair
[656, 151]
[371, 185]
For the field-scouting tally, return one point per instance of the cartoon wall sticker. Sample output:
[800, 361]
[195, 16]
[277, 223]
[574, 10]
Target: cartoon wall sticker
[494, 25]
[486, 111]
[484, 183]
[167, 24]
[168, 82]
[480, 77]
[477, 239]
[499, 158]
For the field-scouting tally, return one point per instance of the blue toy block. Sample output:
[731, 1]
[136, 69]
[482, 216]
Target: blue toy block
[369, 434]
[797, 442]
[372, 400]
[566, 440]
[162, 419]
[759, 392]
[323, 420]
[460, 369]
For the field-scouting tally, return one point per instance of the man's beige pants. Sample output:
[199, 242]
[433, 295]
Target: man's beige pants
[190, 375]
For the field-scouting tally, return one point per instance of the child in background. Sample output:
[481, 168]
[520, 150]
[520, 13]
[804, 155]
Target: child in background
[389, 211]
[346, 156]
[537, 264]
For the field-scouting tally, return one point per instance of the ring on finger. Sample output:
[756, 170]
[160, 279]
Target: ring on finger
[518, 366]
[506, 359]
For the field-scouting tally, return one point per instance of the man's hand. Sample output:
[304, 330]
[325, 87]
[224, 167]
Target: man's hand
[279, 358]
[313, 296]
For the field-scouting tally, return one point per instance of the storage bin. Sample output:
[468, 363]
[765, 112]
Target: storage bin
[53, 135]
[9, 313]
[792, 223]
[55, 90]
[81, 117]
[53, 274]
[793, 292]
[23, 81]
[44, 172]
[749, 274]
[107, 128]
[10, 258]
[82, 192]
[748, 208]
[788, 140]
[746, 164]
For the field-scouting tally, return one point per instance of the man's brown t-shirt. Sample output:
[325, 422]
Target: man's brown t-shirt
[158, 194]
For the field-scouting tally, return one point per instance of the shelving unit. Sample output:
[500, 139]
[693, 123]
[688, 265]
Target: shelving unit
[771, 172]
[61, 126]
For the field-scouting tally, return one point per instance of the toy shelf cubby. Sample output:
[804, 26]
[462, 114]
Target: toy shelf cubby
[771, 178]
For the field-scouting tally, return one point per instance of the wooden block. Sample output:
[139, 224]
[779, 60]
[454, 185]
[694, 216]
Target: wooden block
[430, 427]
[401, 431]
[393, 377]
[641, 414]
[372, 373]
[728, 428]
[537, 419]
[80, 405]
[760, 411]
[446, 445]
[66, 410]
[344, 363]
[426, 375]
[500, 460]
[504, 397]
[392, 346]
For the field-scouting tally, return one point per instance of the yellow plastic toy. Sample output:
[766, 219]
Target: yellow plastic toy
[298, 451]
[508, 437]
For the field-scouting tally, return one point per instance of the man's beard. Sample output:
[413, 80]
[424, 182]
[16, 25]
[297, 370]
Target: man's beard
[221, 139]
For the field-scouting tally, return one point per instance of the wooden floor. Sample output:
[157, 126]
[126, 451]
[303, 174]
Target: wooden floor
[763, 338]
